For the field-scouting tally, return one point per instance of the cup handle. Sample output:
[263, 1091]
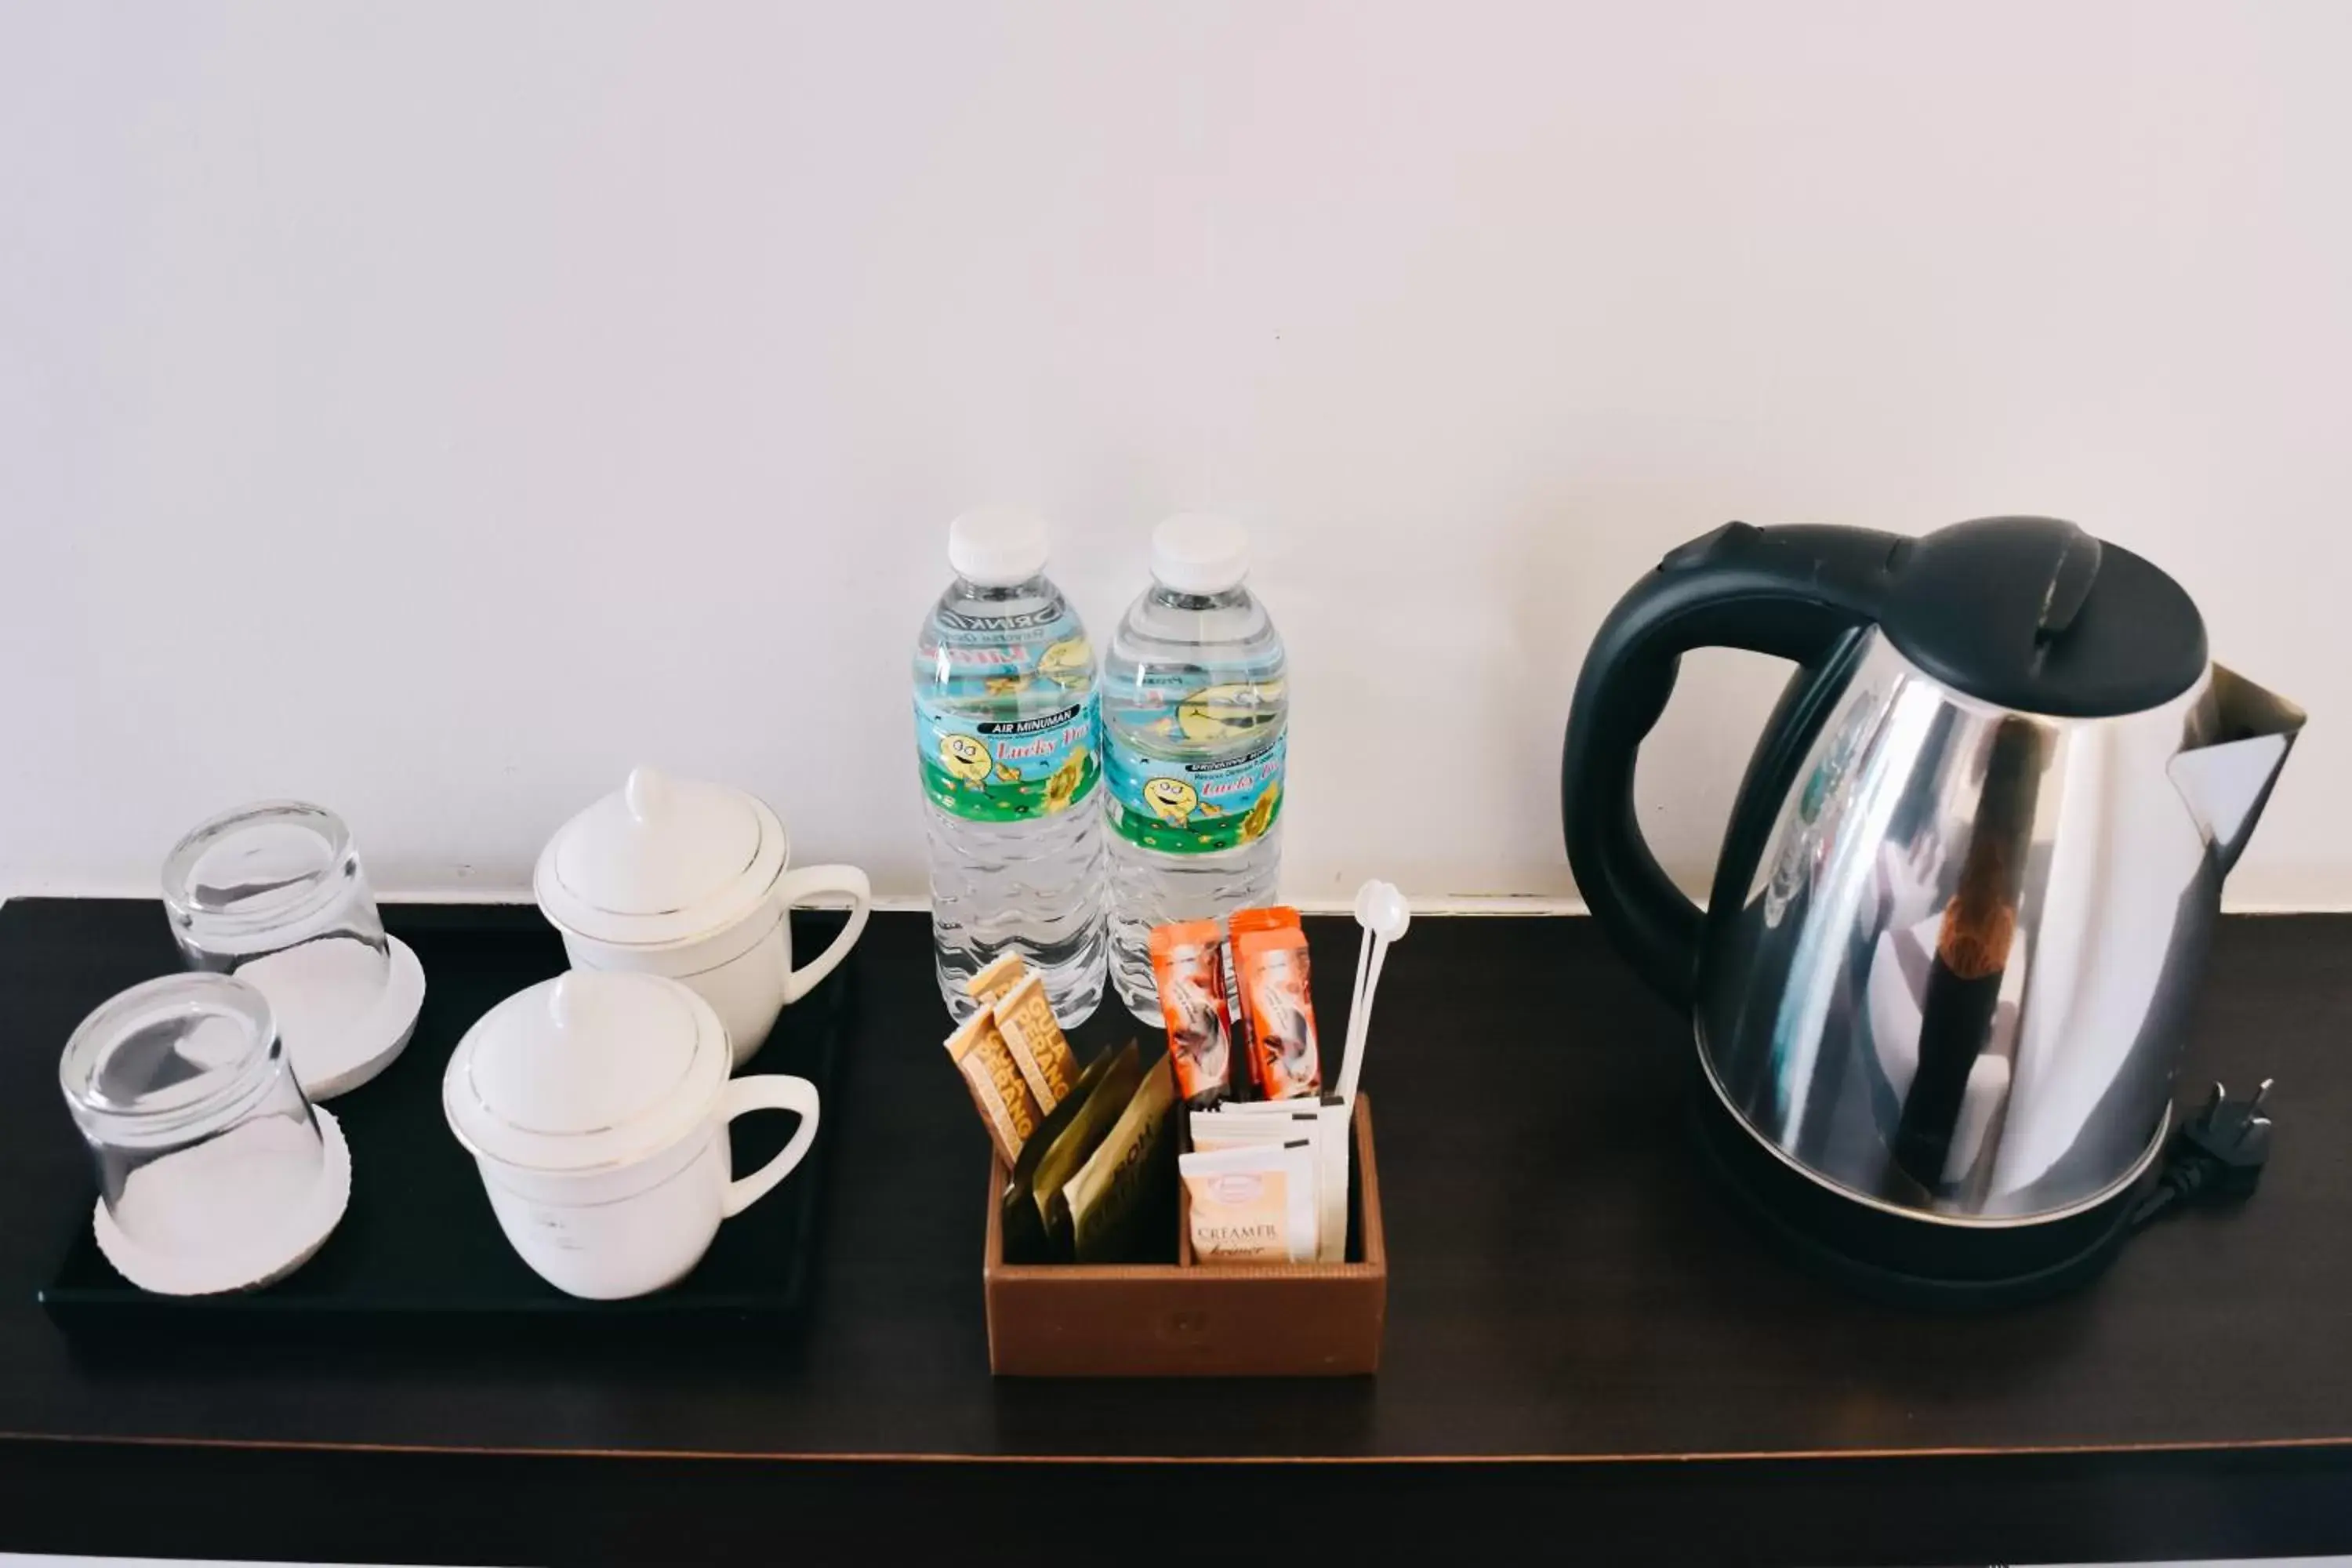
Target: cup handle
[816, 881]
[768, 1092]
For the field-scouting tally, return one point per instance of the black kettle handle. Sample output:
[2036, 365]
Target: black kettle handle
[1797, 593]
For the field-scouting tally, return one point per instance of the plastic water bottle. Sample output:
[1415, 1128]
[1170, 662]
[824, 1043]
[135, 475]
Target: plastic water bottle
[1195, 713]
[1009, 750]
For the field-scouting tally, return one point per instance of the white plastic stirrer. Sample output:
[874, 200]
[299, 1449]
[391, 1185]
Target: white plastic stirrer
[1384, 914]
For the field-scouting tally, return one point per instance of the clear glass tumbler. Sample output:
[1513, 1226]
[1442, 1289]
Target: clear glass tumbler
[274, 894]
[205, 1145]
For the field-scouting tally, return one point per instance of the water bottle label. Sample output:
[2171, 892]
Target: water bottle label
[1012, 769]
[1181, 807]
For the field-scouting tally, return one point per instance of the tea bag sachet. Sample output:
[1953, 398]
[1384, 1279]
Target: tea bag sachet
[1098, 1108]
[1212, 1130]
[1118, 1201]
[1335, 1155]
[1018, 1217]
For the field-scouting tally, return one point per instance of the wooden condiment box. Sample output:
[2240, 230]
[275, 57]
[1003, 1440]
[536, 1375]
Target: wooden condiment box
[1306, 1319]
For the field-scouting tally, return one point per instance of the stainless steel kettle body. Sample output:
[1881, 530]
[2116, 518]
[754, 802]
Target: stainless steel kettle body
[1948, 958]
[1955, 979]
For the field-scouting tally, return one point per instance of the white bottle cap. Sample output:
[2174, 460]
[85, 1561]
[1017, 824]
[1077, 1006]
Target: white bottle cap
[997, 546]
[1198, 553]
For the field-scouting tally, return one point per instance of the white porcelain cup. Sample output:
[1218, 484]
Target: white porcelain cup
[596, 1107]
[687, 880]
[745, 971]
[606, 1234]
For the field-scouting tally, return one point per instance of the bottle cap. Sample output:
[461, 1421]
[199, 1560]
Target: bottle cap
[1197, 553]
[997, 546]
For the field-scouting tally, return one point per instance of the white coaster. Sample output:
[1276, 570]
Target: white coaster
[245, 1263]
[373, 1043]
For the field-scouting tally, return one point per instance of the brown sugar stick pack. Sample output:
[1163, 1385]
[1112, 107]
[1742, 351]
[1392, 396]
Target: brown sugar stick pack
[1271, 968]
[1026, 1019]
[999, 975]
[997, 1088]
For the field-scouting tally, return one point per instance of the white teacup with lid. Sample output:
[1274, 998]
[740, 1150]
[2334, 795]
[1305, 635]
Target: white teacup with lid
[687, 879]
[595, 1106]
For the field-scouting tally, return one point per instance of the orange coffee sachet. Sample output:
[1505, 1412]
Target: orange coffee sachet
[1187, 967]
[1271, 968]
[1239, 924]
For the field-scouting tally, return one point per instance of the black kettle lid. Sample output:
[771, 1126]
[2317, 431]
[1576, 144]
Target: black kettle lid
[2034, 614]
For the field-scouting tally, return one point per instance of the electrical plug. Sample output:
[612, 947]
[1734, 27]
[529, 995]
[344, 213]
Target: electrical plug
[2232, 1137]
[2218, 1153]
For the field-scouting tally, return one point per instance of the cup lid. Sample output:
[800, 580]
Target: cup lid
[662, 860]
[589, 1070]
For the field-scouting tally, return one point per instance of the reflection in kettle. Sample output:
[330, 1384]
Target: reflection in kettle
[1974, 941]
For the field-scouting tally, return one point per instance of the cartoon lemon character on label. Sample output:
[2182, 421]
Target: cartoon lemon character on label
[1070, 662]
[1005, 685]
[1063, 785]
[1170, 800]
[964, 757]
[1261, 815]
[1226, 712]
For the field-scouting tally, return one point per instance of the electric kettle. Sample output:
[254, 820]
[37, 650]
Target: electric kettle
[1940, 985]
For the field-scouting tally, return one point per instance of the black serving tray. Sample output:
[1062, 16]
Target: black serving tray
[419, 1251]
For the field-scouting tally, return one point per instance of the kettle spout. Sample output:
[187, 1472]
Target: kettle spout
[2226, 780]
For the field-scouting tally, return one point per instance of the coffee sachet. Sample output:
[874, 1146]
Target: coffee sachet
[1273, 972]
[1186, 967]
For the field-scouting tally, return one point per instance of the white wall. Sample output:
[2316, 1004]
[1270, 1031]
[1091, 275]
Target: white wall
[431, 409]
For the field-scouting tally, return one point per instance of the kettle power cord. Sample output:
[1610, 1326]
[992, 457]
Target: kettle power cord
[2216, 1156]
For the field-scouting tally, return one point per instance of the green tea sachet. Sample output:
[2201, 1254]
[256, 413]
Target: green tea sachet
[1099, 1108]
[1122, 1201]
[1017, 1216]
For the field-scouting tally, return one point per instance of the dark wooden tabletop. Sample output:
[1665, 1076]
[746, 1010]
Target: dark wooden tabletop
[1580, 1334]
